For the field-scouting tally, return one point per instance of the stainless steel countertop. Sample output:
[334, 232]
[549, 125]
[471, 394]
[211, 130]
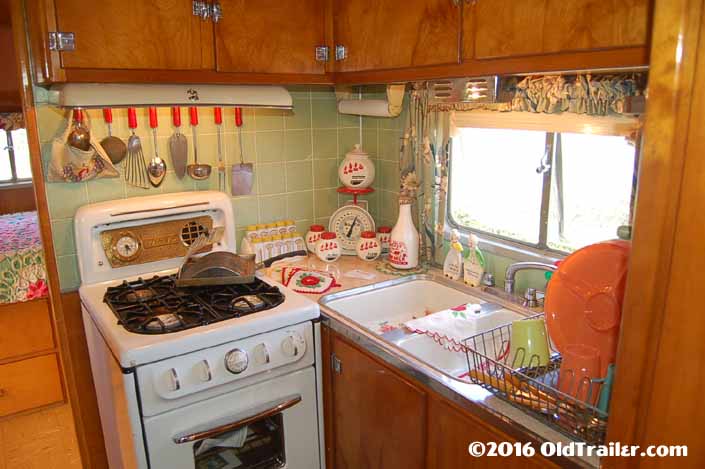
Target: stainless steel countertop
[471, 397]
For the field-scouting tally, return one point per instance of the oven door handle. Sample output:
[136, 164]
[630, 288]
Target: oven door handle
[259, 415]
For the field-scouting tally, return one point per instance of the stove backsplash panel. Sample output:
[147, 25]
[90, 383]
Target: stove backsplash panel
[296, 156]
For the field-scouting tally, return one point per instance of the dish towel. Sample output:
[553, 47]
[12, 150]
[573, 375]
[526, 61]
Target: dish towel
[450, 327]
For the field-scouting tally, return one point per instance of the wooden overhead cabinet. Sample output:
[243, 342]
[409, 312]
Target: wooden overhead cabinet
[392, 34]
[234, 41]
[270, 36]
[134, 35]
[507, 28]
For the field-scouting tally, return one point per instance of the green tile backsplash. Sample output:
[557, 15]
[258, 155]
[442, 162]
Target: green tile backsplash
[295, 154]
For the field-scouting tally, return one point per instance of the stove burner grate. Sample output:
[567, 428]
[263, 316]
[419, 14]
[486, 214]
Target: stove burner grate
[157, 306]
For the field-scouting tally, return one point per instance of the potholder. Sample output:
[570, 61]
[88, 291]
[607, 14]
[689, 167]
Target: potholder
[310, 281]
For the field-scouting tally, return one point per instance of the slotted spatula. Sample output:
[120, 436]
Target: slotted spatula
[178, 145]
[242, 174]
[135, 166]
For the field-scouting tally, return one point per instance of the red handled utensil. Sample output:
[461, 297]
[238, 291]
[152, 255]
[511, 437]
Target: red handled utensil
[135, 166]
[156, 169]
[242, 174]
[218, 118]
[178, 145]
[195, 170]
[113, 146]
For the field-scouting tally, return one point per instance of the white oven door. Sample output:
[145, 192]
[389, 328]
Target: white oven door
[273, 424]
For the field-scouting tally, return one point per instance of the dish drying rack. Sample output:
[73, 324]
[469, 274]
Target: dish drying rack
[534, 389]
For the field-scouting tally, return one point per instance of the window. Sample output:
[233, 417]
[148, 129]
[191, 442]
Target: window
[14, 160]
[551, 191]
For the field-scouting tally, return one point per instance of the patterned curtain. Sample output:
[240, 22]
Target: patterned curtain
[11, 121]
[594, 95]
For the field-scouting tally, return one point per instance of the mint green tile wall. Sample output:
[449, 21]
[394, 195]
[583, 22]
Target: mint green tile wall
[295, 154]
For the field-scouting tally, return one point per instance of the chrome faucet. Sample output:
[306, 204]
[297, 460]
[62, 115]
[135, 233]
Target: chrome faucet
[517, 266]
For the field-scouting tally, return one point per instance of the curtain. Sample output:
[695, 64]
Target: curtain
[592, 103]
[11, 120]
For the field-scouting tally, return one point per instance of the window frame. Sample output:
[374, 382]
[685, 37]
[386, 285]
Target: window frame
[504, 245]
[15, 181]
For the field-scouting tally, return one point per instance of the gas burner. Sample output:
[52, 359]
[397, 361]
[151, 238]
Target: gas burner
[163, 323]
[157, 306]
[246, 303]
[240, 300]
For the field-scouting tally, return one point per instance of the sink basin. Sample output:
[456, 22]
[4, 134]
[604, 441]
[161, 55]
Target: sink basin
[389, 304]
[384, 307]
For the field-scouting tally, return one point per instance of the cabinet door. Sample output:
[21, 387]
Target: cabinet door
[270, 36]
[133, 34]
[388, 34]
[505, 28]
[451, 431]
[379, 418]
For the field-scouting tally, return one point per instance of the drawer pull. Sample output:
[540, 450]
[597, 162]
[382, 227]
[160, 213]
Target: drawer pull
[3, 393]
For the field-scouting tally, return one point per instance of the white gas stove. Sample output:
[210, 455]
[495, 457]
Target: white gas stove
[193, 377]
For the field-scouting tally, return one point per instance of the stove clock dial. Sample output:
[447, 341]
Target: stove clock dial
[236, 361]
[347, 223]
[127, 246]
[294, 345]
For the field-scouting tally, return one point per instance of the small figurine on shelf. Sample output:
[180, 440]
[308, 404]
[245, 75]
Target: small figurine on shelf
[474, 264]
[453, 265]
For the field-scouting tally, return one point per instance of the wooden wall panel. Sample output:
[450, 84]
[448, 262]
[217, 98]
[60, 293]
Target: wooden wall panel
[657, 397]
[17, 199]
[85, 390]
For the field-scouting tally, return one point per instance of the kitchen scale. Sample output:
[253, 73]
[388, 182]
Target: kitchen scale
[349, 221]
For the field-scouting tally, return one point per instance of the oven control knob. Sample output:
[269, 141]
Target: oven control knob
[293, 345]
[205, 371]
[236, 361]
[261, 354]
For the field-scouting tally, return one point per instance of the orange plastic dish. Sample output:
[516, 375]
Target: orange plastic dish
[584, 299]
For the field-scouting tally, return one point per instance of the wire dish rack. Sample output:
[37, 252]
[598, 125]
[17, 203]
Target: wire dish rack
[521, 381]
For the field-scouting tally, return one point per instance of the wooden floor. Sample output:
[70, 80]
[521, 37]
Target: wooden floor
[41, 440]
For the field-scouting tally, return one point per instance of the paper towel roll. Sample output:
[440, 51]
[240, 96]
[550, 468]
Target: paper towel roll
[365, 107]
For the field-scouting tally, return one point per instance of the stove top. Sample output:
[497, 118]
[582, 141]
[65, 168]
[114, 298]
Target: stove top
[158, 306]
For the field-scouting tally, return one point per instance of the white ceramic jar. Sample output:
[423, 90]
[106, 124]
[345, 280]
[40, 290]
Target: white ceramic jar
[383, 235]
[368, 247]
[313, 235]
[357, 171]
[328, 247]
[404, 241]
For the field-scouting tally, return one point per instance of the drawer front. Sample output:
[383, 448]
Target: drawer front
[28, 384]
[25, 328]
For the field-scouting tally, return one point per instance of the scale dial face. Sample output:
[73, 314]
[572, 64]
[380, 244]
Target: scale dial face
[347, 223]
[127, 246]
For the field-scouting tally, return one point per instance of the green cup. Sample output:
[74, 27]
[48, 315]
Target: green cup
[528, 344]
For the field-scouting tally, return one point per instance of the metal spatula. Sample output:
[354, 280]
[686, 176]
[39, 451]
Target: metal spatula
[243, 173]
[178, 145]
